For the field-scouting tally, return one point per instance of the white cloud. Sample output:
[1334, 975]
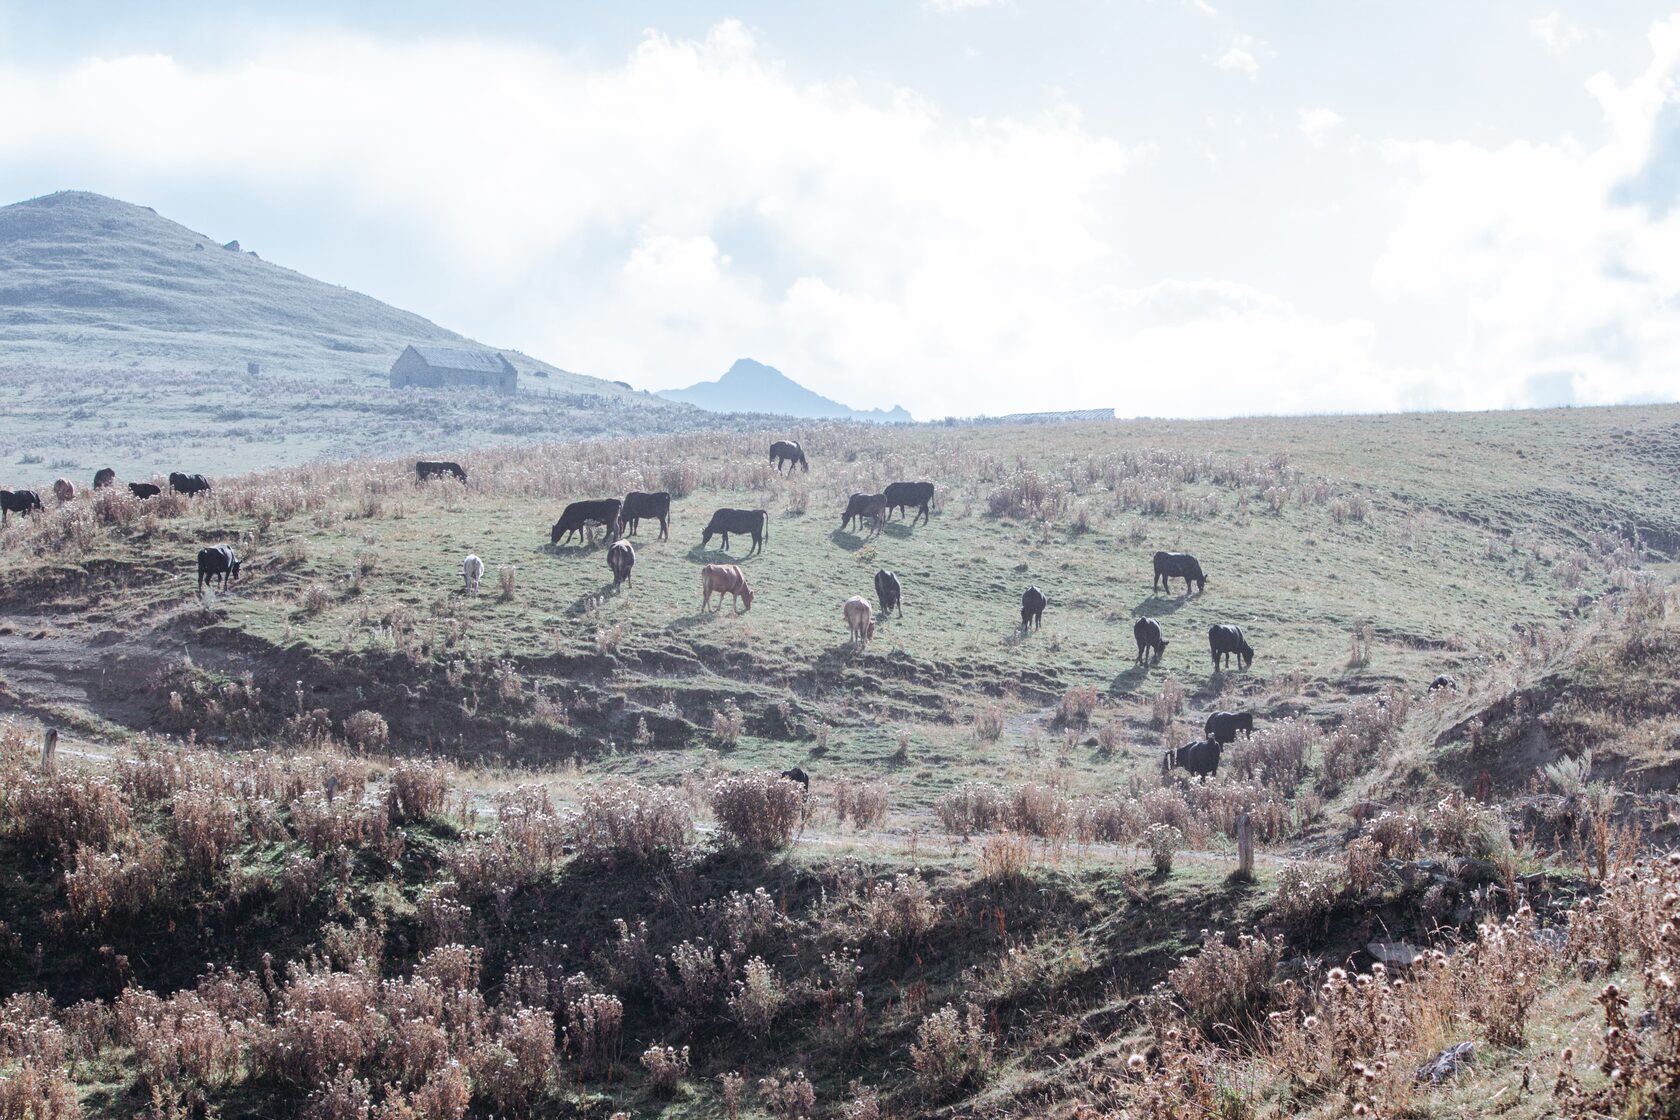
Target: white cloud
[1317, 124]
[1565, 258]
[961, 5]
[1557, 33]
[1240, 60]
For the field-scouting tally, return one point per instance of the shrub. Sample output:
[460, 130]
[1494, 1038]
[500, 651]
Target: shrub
[898, 911]
[1166, 704]
[1004, 856]
[206, 826]
[507, 578]
[594, 1024]
[419, 791]
[758, 810]
[666, 1066]
[625, 819]
[865, 803]
[988, 722]
[1226, 989]
[788, 1098]
[1304, 899]
[1077, 705]
[758, 997]
[367, 731]
[952, 1051]
[728, 723]
[1163, 842]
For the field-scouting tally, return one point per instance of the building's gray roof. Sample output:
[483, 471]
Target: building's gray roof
[449, 357]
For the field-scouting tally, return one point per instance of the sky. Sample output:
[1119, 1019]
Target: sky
[1168, 207]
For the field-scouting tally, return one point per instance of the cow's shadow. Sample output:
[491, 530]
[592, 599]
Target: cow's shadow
[1128, 680]
[848, 540]
[1158, 604]
[700, 554]
[689, 622]
[585, 603]
[587, 549]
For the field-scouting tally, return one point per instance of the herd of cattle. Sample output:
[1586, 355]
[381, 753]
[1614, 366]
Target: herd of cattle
[621, 518]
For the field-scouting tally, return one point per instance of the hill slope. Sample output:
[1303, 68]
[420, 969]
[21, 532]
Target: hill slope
[88, 281]
[751, 386]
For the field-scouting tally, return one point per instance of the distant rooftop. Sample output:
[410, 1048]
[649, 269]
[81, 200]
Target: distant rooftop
[452, 357]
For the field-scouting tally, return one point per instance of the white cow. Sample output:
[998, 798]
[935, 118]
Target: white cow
[857, 612]
[472, 570]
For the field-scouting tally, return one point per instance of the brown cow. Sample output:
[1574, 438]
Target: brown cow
[859, 618]
[63, 489]
[725, 579]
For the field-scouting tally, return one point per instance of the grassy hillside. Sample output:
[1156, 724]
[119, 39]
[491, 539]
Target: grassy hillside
[517, 768]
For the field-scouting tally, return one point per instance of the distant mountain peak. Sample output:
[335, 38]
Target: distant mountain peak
[752, 386]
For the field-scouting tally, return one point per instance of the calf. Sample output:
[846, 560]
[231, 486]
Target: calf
[1033, 603]
[436, 468]
[217, 562]
[621, 558]
[472, 571]
[1222, 727]
[144, 490]
[889, 593]
[859, 618]
[638, 505]
[104, 477]
[18, 501]
[1445, 681]
[1147, 631]
[860, 506]
[188, 484]
[1200, 758]
[1181, 565]
[910, 495]
[579, 516]
[725, 579]
[727, 521]
[788, 451]
[1224, 639]
[64, 490]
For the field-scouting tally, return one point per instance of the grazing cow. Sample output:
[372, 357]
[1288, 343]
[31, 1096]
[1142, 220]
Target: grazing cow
[472, 570]
[889, 593]
[796, 774]
[188, 484]
[788, 451]
[1033, 603]
[1224, 639]
[579, 516]
[910, 495]
[18, 501]
[428, 468]
[638, 505]
[1149, 641]
[144, 490]
[64, 490]
[727, 521]
[219, 561]
[1180, 564]
[859, 618]
[1201, 758]
[725, 579]
[1222, 727]
[104, 477]
[862, 506]
[621, 558]
[1445, 681]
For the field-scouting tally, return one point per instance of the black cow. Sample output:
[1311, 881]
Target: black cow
[1179, 564]
[103, 478]
[788, 451]
[429, 468]
[188, 484]
[621, 558]
[795, 774]
[1445, 681]
[889, 592]
[1149, 641]
[860, 506]
[18, 501]
[1222, 727]
[1201, 758]
[218, 561]
[638, 505]
[906, 495]
[577, 517]
[144, 490]
[1224, 639]
[1033, 603]
[727, 521]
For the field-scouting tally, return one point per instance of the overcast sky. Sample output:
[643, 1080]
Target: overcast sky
[1169, 207]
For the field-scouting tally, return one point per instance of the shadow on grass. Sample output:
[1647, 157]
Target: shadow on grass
[847, 540]
[590, 600]
[700, 554]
